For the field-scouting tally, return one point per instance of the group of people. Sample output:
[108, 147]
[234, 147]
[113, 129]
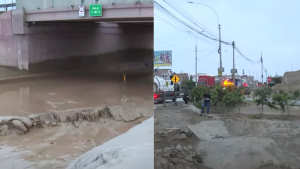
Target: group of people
[205, 103]
[165, 57]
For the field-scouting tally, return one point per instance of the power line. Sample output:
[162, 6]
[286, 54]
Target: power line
[178, 25]
[182, 22]
[191, 50]
[174, 45]
[186, 15]
[181, 29]
[245, 56]
[176, 19]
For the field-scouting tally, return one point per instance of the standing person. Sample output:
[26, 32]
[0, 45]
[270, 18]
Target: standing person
[205, 103]
[186, 97]
[168, 59]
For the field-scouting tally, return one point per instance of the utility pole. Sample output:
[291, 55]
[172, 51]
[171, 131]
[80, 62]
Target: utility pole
[262, 69]
[233, 71]
[196, 64]
[253, 78]
[221, 69]
[266, 75]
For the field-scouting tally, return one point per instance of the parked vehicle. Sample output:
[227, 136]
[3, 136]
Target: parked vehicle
[272, 83]
[162, 86]
[206, 80]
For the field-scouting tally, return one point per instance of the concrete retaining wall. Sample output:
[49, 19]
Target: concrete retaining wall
[8, 53]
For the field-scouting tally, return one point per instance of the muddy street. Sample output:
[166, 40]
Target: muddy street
[225, 141]
[56, 147]
[66, 116]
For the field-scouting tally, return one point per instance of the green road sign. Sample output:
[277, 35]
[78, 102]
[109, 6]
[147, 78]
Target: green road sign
[96, 10]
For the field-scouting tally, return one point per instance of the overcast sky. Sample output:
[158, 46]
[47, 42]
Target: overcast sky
[5, 2]
[269, 26]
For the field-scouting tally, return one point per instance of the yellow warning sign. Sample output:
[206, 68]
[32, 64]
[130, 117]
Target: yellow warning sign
[175, 79]
[124, 76]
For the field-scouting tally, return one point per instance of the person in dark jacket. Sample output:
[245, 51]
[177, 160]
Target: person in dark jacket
[186, 97]
[205, 102]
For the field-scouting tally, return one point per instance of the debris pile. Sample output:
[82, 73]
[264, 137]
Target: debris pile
[21, 125]
[89, 115]
[177, 157]
[175, 133]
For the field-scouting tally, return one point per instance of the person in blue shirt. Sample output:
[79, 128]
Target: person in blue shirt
[205, 103]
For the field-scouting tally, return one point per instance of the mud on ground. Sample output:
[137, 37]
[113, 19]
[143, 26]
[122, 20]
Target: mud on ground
[78, 119]
[226, 142]
[54, 139]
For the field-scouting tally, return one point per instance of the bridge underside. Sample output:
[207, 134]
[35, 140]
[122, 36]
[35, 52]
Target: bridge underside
[53, 40]
[128, 13]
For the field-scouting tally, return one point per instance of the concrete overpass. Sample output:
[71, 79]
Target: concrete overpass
[49, 35]
[68, 11]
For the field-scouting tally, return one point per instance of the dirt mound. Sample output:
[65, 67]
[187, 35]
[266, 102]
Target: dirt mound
[190, 109]
[239, 152]
[232, 142]
[18, 125]
[207, 130]
[248, 143]
[287, 86]
[177, 156]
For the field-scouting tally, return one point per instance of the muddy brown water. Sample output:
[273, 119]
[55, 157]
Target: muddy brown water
[73, 91]
[56, 147]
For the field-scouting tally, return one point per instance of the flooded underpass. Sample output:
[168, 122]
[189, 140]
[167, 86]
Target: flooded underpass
[62, 90]
[69, 115]
[81, 89]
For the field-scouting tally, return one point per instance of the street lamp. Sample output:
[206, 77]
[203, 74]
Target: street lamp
[221, 69]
